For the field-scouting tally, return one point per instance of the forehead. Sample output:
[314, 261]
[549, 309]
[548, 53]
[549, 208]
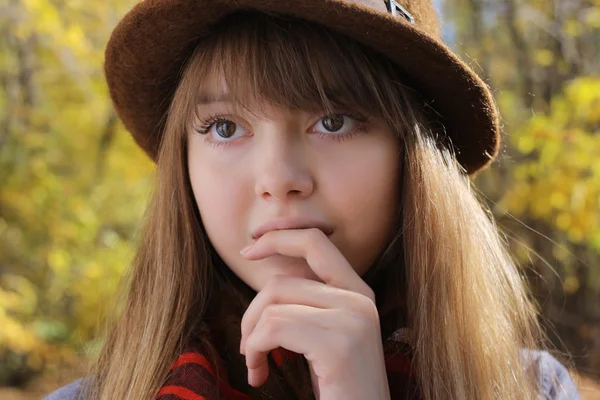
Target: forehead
[294, 81]
[214, 91]
[242, 96]
[212, 88]
[290, 65]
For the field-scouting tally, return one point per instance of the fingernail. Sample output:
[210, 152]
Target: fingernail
[250, 378]
[245, 249]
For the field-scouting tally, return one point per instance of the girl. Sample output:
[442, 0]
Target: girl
[314, 232]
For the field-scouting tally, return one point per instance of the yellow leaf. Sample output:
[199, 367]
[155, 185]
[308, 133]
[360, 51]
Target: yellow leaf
[526, 144]
[563, 221]
[558, 199]
[592, 17]
[573, 27]
[544, 57]
[59, 261]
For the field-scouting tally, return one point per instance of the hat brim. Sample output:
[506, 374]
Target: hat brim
[148, 48]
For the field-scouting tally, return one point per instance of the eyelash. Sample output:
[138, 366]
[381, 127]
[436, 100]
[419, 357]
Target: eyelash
[206, 126]
[363, 121]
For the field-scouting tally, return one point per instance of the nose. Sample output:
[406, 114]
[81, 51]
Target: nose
[282, 169]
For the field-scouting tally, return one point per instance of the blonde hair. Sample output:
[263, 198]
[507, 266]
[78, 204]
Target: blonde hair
[467, 304]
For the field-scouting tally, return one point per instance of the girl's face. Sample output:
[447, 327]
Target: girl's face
[290, 169]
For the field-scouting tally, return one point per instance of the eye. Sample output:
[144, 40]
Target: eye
[221, 129]
[225, 129]
[337, 123]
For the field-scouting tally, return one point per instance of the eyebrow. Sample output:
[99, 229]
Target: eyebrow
[207, 98]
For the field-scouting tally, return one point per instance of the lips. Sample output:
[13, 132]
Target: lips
[292, 223]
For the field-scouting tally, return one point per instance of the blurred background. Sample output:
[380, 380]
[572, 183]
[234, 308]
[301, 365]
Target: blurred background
[73, 185]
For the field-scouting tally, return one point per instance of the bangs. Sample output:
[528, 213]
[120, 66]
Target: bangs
[272, 60]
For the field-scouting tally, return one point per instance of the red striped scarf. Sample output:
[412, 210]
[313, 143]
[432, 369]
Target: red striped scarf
[193, 377]
[210, 366]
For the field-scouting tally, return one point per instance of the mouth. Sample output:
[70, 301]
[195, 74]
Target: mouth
[291, 223]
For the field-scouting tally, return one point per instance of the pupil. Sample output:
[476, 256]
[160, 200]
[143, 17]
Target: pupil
[333, 122]
[226, 129]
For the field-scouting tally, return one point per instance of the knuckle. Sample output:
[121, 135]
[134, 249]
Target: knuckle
[363, 319]
[365, 308]
[370, 293]
[314, 236]
[252, 349]
[244, 326]
[274, 327]
[250, 344]
[271, 289]
[271, 312]
[369, 309]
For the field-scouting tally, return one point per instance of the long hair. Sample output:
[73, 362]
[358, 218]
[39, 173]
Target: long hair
[467, 304]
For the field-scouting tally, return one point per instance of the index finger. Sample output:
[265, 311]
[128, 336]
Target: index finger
[327, 262]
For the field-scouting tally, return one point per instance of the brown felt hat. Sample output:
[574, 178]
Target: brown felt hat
[149, 46]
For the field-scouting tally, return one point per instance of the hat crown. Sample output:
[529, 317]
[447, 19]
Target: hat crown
[422, 11]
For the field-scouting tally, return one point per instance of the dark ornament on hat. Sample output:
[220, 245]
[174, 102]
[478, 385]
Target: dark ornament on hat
[395, 8]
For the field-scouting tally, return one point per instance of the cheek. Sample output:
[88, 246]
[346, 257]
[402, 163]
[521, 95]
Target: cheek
[365, 197]
[372, 188]
[222, 200]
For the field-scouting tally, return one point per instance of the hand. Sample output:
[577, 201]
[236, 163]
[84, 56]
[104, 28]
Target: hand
[334, 324]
